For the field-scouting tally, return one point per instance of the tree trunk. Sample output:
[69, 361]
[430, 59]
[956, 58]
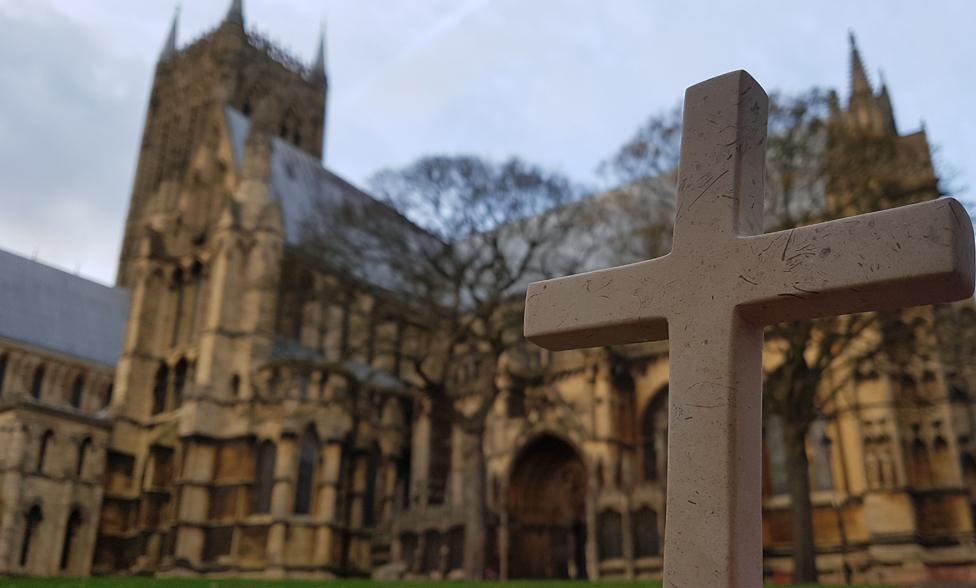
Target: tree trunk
[474, 503]
[798, 477]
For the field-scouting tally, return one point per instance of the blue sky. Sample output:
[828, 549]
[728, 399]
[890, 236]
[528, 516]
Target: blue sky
[559, 82]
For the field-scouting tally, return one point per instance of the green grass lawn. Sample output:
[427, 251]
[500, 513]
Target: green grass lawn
[206, 583]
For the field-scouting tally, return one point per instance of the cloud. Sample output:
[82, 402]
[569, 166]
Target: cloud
[67, 152]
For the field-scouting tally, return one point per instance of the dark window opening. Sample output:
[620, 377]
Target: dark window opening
[76, 390]
[307, 459]
[38, 382]
[264, 477]
[42, 452]
[83, 449]
[179, 381]
[33, 520]
[70, 535]
[160, 386]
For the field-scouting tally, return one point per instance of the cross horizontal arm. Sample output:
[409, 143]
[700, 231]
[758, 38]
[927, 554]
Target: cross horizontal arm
[627, 304]
[906, 256]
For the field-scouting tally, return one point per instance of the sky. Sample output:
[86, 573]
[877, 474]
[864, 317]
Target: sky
[562, 83]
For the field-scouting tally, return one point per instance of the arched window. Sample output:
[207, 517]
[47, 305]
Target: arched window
[307, 458]
[369, 498]
[38, 382]
[76, 389]
[647, 540]
[46, 440]
[235, 386]
[610, 530]
[179, 288]
[70, 537]
[3, 370]
[32, 521]
[179, 381]
[109, 390]
[654, 438]
[264, 477]
[160, 387]
[921, 468]
[83, 449]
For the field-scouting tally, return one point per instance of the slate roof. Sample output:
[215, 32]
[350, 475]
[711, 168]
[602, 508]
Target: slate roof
[53, 310]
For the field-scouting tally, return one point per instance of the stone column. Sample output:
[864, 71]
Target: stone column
[327, 498]
[282, 499]
[194, 501]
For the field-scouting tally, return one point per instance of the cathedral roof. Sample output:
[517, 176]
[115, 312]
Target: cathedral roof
[47, 308]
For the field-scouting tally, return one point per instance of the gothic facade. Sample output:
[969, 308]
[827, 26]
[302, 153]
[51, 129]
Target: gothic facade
[231, 409]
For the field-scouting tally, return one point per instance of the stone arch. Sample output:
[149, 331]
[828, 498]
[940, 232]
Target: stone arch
[547, 510]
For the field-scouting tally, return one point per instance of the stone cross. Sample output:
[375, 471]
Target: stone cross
[711, 296]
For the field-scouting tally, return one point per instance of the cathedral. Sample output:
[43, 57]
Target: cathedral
[207, 417]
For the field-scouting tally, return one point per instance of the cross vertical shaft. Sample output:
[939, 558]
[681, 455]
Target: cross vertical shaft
[714, 533]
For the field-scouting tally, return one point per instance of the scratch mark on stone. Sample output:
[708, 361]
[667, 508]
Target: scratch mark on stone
[745, 279]
[789, 239]
[710, 184]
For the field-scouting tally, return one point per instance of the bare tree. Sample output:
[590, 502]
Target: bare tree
[458, 239]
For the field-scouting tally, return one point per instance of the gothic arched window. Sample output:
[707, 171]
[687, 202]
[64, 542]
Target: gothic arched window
[647, 540]
[70, 537]
[83, 449]
[921, 468]
[76, 390]
[46, 440]
[369, 498]
[235, 386]
[32, 521]
[264, 477]
[307, 459]
[179, 289]
[654, 438]
[38, 382]
[179, 380]
[160, 388]
[610, 530]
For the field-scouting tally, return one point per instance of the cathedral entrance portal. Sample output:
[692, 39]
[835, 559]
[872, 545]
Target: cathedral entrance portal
[547, 512]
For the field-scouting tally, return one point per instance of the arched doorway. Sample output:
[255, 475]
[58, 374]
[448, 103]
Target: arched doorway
[547, 512]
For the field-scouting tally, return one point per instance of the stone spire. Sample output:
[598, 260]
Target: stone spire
[318, 68]
[235, 14]
[169, 47]
[884, 103]
[860, 84]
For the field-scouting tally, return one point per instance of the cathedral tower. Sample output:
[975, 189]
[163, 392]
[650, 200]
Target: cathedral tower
[227, 66]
